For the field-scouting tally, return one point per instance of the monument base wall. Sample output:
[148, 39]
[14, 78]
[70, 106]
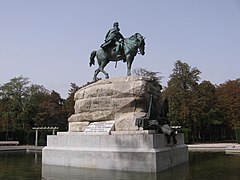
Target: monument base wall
[137, 151]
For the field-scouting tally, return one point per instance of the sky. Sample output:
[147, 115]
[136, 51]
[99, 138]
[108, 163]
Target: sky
[50, 41]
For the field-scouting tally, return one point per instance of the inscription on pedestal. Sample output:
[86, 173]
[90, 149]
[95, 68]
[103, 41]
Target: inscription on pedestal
[104, 127]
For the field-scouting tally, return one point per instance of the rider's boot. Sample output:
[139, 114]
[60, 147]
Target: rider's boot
[118, 51]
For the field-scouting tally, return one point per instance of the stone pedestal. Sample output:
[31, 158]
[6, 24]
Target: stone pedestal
[119, 146]
[124, 151]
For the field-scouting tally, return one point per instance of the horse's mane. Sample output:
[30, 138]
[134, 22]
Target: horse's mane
[133, 37]
[131, 41]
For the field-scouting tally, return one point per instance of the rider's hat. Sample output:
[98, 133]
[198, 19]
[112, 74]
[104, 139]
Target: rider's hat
[115, 24]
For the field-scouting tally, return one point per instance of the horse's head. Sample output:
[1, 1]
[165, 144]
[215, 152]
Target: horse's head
[141, 43]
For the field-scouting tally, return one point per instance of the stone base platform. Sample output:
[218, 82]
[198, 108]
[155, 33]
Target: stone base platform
[139, 152]
[233, 149]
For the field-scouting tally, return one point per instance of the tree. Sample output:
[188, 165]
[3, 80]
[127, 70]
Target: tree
[181, 87]
[228, 101]
[15, 94]
[18, 105]
[209, 118]
[51, 111]
[150, 74]
[182, 97]
[69, 104]
[183, 77]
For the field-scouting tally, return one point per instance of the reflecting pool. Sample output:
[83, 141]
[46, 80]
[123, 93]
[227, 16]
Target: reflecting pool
[20, 165]
[201, 166]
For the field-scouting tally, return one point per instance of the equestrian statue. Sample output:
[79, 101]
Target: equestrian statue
[117, 48]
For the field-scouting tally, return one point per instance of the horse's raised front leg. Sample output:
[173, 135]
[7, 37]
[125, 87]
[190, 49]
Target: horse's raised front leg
[106, 74]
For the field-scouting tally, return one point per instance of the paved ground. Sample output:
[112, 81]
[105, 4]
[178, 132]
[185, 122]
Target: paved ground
[212, 147]
[204, 147]
[21, 148]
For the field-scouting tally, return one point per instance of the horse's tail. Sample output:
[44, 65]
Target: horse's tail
[92, 60]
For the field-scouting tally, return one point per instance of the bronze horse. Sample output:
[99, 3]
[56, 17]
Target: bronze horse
[129, 50]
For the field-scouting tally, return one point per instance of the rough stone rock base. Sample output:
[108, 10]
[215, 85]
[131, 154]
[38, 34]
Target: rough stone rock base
[77, 126]
[139, 152]
[117, 99]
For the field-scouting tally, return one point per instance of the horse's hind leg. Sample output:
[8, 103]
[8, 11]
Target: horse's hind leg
[95, 74]
[102, 66]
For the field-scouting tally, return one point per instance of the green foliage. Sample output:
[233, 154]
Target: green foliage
[181, 93]
[228, 101]
[186, 132]
[24, 105]
[200, 107]
[69, 104]
[149, 74]
[14, 95]
[183, 77]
